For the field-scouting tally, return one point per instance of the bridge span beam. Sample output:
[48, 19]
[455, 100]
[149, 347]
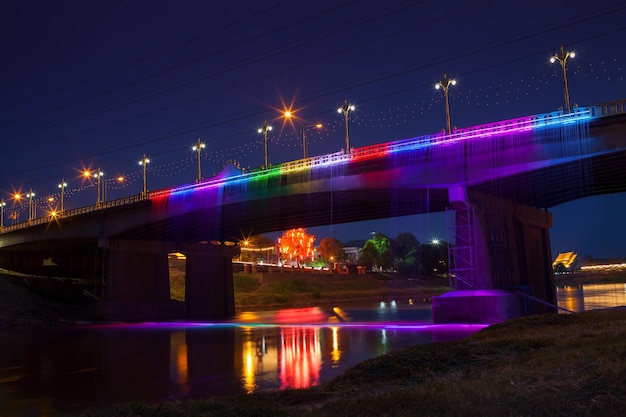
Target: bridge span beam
[503, 266]
[137, 285]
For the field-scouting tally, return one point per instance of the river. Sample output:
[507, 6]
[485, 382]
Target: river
[60, 371]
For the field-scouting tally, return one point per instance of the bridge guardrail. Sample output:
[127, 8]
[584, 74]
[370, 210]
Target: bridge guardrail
[610, 108]
[75, 212]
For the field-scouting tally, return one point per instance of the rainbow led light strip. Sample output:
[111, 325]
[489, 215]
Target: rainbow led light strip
[510, 126]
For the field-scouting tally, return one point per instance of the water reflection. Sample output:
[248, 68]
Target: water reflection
[68, 370]
[585, 297]
[300, 357]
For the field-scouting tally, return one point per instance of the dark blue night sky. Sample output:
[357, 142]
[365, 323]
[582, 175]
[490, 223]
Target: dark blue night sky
[99, 84]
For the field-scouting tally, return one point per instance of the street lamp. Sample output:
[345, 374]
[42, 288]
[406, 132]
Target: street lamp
[62, 187]
[15, 216]
[2, 204]
[289, 115]
[562, 59]
[97, 175]
[198, 149]
[445, 83]
[264, 131]
[31, 208]
[144, 162]
[346, 108]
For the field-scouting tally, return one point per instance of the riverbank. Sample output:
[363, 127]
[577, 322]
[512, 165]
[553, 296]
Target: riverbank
[285, 290]
[21, 305]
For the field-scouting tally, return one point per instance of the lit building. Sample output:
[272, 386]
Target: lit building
[566, 262]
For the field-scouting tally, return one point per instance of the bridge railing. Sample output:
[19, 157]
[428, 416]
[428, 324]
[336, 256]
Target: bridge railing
[610, 108]
[75, 212]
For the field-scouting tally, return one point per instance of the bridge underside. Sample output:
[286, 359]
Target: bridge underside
[559, 184]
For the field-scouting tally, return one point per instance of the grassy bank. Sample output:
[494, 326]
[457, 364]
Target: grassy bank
[553, 365]
[299, 290]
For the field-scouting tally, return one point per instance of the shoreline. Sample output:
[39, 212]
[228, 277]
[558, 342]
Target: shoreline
[25, 305]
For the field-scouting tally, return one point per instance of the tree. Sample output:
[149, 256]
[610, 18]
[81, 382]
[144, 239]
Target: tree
[369, 254]
[296, 245]
[385, 255]
[331, 248]
[404, 244]
[377, 251]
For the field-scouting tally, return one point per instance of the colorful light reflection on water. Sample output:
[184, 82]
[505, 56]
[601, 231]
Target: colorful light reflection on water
[94, 366]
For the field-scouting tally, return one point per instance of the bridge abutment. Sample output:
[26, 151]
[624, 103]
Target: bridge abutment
[502, 262]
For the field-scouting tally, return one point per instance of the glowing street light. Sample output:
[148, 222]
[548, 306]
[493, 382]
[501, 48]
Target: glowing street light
[289, 115]
[98, 176]
[144, 162]
[266, 128]
[2, 204]
[198, 149]
[62, 187]
[15, 215]
[562, 59]
[346, 108]
[445, 83]
[31, 208]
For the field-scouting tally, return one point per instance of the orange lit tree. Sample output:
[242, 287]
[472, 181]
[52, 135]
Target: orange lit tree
[297, 245]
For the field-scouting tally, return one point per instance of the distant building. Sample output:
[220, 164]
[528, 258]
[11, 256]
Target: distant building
[352, 250]
[566, 262]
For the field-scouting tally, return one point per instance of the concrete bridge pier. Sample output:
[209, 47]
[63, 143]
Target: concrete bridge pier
[136, 282]
[501, 260]
[209, 291]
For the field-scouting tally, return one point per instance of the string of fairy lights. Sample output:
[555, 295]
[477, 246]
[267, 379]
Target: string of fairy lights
[240, 153]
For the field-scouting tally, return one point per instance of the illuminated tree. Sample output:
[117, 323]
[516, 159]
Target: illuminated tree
[377, 252]
[331, 248]
[296, 245]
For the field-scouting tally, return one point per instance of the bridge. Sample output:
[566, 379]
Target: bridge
[499, 178]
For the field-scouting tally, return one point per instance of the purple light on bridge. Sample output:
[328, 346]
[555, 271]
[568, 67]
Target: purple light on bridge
[504, 127]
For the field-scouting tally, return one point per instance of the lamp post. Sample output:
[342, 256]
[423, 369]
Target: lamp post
[15, 216]
[144, 162]
[2, 204]
[31, 208]
[266, 128]
[289, 115]
[562, 58]
[62, 187]
[98, 176]
[445, 83]
[198, 149]
[346, 108]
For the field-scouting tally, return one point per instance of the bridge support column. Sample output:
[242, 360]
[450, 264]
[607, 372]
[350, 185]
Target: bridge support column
[209, 291]
[136, 282]
[506, 270]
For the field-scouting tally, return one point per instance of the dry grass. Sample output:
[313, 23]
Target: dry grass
[553, 365]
